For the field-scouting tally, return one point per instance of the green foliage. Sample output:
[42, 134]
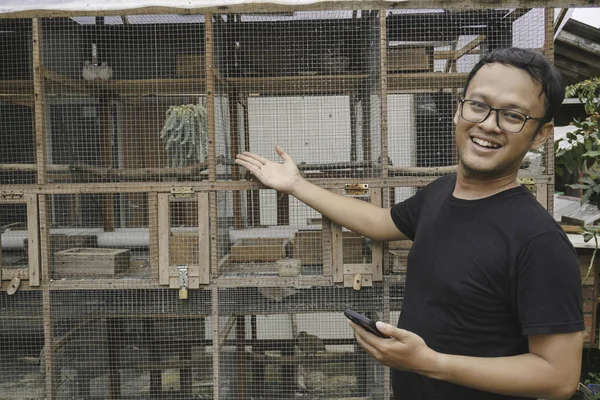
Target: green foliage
[579, 151]
[589, 233]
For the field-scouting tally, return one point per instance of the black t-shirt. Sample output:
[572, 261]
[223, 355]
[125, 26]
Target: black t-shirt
[481, 276]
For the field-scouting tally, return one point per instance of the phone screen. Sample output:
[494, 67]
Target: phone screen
[364, 322]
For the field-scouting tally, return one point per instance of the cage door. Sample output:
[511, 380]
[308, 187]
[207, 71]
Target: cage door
[183, 239]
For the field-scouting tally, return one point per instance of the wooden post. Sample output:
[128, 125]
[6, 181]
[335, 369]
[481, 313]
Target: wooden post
[549, 145]
[164, 229]
[377, 247]
[153, 234]
[210, 95]
[337, 253]
[33, 240]
[383, 67]
[204, 242]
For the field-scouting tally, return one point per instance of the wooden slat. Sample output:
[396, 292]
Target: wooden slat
[357, 269]
[153, 234]
[383, 82]
[377, 247]
[262, 7]
[396, 179]
[164, 228]
[203, 240]
[210, 89]
[33, 240]
[337, 253]
[326, 247]
[40, 102]
[541, 194]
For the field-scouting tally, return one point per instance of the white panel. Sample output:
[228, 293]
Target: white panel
[402, 136]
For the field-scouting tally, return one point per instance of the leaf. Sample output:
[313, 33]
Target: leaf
[587, 237]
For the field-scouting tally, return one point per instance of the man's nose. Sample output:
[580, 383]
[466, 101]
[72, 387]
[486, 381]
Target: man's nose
[491, 122]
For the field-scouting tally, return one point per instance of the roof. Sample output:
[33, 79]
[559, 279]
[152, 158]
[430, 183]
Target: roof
[577, 51]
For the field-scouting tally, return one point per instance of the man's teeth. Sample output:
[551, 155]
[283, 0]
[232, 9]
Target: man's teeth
[485, 143]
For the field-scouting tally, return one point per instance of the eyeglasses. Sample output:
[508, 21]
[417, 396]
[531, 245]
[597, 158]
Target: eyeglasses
[508, 120]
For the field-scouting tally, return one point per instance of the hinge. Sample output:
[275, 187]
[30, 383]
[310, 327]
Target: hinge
[356, 189]
[179, 192]
[11, 195]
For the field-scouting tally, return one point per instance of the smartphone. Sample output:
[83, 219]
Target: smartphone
[364, 322]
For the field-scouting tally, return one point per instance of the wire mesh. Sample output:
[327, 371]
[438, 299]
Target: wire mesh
[166, 270]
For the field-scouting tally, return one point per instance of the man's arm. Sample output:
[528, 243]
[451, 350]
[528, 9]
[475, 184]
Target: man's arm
[359, 216]
[550, 370]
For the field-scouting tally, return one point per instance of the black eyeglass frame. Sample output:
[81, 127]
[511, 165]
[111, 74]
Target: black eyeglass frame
[527, 117]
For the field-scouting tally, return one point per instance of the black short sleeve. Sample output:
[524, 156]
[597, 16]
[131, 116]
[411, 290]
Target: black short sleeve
[548, 286]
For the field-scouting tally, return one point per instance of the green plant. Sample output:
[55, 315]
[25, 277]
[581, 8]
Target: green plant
[579, 151]
[589, 233]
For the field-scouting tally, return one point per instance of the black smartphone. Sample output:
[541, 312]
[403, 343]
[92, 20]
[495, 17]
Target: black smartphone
[364, 322]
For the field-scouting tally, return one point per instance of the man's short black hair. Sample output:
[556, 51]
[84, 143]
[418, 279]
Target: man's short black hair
[537, 66]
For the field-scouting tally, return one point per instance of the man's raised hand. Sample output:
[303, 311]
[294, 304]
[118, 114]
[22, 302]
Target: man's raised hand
[282, 177]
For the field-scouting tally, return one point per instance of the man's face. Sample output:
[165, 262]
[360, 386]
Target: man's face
[484, 149]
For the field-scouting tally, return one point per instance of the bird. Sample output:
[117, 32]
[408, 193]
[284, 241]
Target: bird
[309, 344]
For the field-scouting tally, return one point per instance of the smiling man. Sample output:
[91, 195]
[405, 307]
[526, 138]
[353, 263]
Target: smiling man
[493, 306]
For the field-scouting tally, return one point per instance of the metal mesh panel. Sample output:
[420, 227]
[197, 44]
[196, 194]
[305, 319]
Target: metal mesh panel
[287, 342]
[16, 103]
[151, 265]
[125, 98]
[100, 235]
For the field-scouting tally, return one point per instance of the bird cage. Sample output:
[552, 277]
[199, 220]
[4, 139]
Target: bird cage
[145, 263]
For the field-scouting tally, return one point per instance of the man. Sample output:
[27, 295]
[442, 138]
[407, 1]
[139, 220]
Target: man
[492, 306]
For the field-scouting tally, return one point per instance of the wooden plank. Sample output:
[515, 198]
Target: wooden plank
[326, 247]
[541, 194]
[358, 269]
[44, 205]
[337, 253]
[153, 232]
[33, 240]
[396, 179]
[377, 247]
[40, 102]
[164, 229]
[579, 42]
[262, 7]
[383, 83]
[214, 234]
[210, 89]
[204, 241]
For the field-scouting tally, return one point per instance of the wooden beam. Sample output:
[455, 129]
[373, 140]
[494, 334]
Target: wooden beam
[33, 240]
[153, 236]
[579, 42]
[203, 238]
[40, 102]
[262, 7]
[377, 247]
[164, 233]
[210, 89]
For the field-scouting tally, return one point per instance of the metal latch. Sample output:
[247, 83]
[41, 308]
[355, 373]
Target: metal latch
[11, 195]
[354, 189]
[183, 282]
[182, 191]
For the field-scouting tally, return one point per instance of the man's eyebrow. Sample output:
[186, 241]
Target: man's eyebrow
[512, 106]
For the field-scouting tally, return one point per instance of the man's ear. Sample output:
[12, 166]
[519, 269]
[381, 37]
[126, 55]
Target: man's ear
[456, 115]
[544, 133]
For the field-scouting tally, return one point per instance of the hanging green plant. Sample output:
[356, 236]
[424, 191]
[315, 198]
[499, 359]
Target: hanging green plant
[185, 134]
